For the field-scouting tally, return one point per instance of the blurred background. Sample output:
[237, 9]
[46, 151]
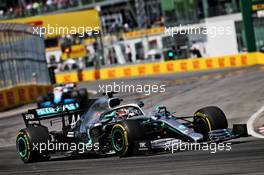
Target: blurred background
[133, 30]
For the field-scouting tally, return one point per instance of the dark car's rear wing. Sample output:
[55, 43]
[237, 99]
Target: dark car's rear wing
[51, 112]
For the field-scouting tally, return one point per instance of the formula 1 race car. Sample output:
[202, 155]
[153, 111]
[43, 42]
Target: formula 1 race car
[63, 94]
[107, 126]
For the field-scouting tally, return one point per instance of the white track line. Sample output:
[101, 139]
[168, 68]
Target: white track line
[250, 122]
[8, 145]
[93, 92]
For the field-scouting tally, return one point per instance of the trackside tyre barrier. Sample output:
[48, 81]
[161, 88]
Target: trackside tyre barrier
[168, 67]
[21, 94]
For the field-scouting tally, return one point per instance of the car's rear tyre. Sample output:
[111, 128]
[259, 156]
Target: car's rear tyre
[28, 141]
[40, 100]
[83, 93]
[208, 119]
[123, 136]
[74, 94]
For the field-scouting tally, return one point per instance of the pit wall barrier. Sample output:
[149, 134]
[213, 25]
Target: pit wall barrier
[21, 94]
[168, 67]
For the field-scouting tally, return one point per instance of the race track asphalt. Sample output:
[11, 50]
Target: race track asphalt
[239, 92]
[245, 157]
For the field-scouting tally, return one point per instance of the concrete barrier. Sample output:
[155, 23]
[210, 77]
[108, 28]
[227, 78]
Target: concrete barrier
[168, 67]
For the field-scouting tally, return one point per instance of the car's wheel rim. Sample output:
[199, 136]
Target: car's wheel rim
[203, 126]
[22, 147]
[118, 140]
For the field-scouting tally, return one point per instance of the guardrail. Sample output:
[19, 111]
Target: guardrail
[168, 67]
[21, 94]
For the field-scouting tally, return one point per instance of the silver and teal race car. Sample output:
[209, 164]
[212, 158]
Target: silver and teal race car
[63, 94]
[108, 126]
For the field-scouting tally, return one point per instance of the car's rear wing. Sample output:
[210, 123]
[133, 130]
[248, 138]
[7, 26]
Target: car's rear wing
[63, 110]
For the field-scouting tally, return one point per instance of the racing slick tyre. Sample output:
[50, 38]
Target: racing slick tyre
[208, 119]
[74, 94]
[83, 93]
[123, 136]
[27, 142]
[40, 100]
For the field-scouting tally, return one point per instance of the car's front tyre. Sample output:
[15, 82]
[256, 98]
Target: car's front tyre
[123, 136]
[208, 119]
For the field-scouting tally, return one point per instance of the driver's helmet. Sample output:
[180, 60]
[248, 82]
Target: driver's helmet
[122, 114]
[58, 89]
[70, 85]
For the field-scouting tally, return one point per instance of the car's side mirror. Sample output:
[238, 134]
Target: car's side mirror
[113, 102]
[141, 104]
[161, 108]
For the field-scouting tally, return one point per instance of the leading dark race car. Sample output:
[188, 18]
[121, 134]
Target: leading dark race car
[108, 126]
